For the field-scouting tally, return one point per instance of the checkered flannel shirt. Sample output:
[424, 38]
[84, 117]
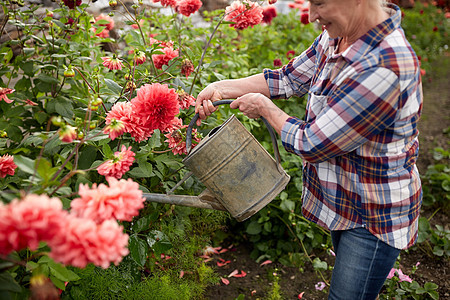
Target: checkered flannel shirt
[359, 139]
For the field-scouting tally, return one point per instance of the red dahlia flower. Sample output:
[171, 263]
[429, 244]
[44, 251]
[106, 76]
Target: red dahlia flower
[244, 14]
[269, 12]
[72, 3]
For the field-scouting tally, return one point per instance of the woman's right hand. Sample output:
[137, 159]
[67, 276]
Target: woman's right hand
[205, 98]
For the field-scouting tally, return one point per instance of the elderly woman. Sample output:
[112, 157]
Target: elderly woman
[358, 140]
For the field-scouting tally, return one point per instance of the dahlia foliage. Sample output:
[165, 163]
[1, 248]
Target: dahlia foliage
[136, 100]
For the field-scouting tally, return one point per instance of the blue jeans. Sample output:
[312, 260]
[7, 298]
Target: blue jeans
[362, 264]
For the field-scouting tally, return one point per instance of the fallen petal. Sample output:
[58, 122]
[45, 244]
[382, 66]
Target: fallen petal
[181, 274]
[300, 296]
[242, 274]
[225, 281]
[235, 272]
[265, 263]
[223, 250]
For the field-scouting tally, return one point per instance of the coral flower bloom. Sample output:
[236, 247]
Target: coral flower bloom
[119, 165]
[4, 92]
[7, 165]
[112, 63]
[139, 57]
[185, 99]
[188, 7]
[24, 223]
[166, 3]
[177, 137]
[109, 25]
[156, 105]
[244, 14]
[67, 133]
[163, 59]
[122, 114]
[122, 200]
[187, 68]
[83, 241]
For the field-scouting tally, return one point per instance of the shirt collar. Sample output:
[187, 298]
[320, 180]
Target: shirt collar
[374, 36]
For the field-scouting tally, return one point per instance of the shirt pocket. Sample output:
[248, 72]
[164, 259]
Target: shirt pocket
[316, 103]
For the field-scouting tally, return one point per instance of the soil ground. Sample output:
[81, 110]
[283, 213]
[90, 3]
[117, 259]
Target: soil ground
[259, 280]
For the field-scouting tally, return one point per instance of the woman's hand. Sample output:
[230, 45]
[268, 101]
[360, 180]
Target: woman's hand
[252, 105]
[255, 105]
[205, 98]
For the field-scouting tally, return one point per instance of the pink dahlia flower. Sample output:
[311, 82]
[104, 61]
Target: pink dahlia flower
[83, 241]
[185, 99]
[156, 105]
[112, 63]
[177, 137]
[119, 165]
[67, 133]
[121, 200]
[244, 14]
[166, 3]
[24, 223]
[4, 92]
[139, 57]
[121, 119]
[7, 165]
[187, 68]
[109, 25]
[188, 7]
[163, 59]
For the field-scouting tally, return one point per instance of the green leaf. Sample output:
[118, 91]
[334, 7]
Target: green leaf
[141, 224]
[287, 205]
[25, 164]
[61, 272]
[158, 242]
[14, 133]
[113, 86]
[138, 250]
[47, 79]
[318, 264]
[254, 228]
[7, 283]
[60, 284]
[430, 286]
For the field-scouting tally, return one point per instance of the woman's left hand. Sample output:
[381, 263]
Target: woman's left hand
[252, 105]
[256, 105]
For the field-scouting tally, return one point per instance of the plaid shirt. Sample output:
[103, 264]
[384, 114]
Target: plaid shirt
[359, 138]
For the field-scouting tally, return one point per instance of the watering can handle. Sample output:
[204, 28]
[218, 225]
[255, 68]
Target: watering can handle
[216, 103]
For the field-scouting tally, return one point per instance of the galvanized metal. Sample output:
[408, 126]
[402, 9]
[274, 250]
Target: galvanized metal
[204, 200]
[236, 169]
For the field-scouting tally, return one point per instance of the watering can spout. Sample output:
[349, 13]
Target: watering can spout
[205, 200]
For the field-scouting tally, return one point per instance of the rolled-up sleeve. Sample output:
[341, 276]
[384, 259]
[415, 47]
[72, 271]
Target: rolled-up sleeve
[295, 77]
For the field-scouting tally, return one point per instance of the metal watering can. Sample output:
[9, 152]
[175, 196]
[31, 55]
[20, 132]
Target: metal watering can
[239, 174]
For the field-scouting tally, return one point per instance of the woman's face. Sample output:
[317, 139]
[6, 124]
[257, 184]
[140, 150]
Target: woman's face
[339, 17]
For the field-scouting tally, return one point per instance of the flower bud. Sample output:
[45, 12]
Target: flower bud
[272, 1]
[112, 3]
[97, 102]
[69, 73]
